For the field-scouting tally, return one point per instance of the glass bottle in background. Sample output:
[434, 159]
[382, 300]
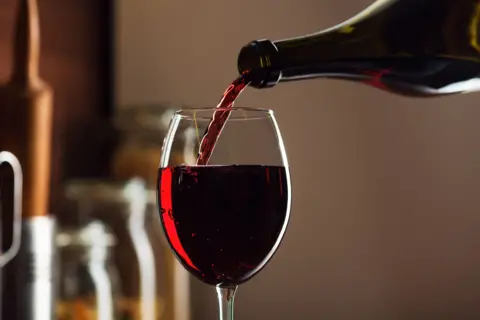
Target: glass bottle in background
[142, 130]
[88, 283]
[145, 272]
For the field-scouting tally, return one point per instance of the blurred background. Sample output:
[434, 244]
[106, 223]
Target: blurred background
[384, 221]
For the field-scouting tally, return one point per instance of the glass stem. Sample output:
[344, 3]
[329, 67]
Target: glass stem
[226, 295]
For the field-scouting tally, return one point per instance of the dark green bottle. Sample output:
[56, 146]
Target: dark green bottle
[410, 47]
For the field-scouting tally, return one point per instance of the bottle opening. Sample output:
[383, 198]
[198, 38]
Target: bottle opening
[259, 59]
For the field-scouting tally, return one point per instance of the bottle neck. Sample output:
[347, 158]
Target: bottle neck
[292, 59]
[313, 55]
[26, 45]
[268, 63]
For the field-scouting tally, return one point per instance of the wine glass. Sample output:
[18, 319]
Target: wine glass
[225, 219]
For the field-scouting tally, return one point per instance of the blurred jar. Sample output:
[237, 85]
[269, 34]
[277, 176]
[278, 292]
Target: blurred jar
[142, 131]
[144, 261]
[88, 282]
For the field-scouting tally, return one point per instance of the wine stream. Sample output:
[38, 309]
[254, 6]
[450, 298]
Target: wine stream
[219, 118]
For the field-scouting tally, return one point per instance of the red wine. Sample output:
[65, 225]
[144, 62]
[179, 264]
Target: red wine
[219, 118]
[224, 223]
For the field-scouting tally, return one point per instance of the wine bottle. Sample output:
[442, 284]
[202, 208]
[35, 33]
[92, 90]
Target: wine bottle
[417, 48]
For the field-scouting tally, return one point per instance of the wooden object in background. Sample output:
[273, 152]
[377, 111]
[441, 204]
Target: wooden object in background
[77, 62]
[26, 111]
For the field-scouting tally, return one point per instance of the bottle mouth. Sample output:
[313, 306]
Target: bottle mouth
[259, 59]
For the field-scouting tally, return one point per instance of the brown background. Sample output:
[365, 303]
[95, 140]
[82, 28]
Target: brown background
[385, 215]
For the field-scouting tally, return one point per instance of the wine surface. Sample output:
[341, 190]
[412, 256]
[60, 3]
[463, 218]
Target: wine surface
[219, 118]
[224, 223]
